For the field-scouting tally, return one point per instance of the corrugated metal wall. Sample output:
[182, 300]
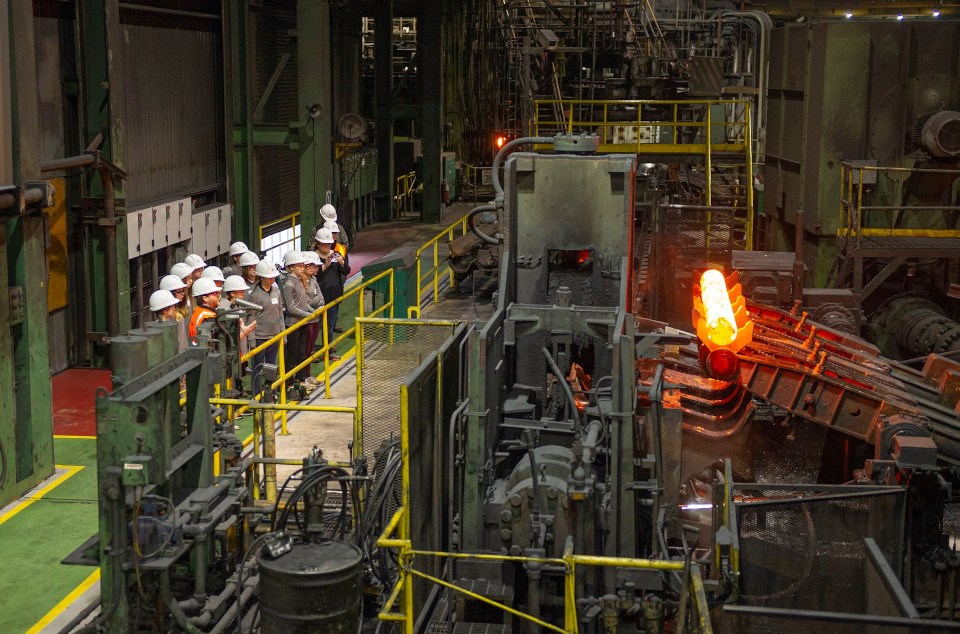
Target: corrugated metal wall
[173, 85]
[278, 168]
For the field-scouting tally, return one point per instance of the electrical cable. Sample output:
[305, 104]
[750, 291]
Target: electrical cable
[243, 562]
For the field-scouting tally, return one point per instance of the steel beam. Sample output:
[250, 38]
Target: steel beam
[314, 89]
[238, 119]
[383, 71]
[430, 70]
[26, 434]
[107, 275]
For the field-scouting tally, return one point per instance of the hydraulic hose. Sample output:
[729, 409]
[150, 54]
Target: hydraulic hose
[497, 186]
[472, 222]
[497, 204]
[574, 412]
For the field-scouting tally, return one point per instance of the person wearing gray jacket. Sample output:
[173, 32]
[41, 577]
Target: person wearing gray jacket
[269, 319]
[297, 308]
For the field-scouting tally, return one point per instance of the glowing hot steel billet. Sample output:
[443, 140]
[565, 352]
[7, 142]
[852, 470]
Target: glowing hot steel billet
[721, 324]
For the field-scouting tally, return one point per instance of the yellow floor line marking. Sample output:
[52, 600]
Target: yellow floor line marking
[63, 437]
[28, 500]
[66, 602]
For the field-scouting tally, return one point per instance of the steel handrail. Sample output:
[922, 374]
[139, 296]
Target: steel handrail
[434, 272]
[285, 374]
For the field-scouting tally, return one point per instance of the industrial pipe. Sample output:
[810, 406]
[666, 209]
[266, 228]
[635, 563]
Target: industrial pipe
[89, 158]
[178, 614]
[495, 172]
[249, 587]
[574, 412]
[472, 222]
[452, 453]
[590, 442]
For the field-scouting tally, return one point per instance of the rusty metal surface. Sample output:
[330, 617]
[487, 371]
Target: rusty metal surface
[811, 372]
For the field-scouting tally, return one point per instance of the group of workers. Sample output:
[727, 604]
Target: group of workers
[194, 292]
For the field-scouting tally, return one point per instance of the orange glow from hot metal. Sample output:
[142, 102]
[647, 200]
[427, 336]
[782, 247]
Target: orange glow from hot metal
[500, 141]
[720, 321]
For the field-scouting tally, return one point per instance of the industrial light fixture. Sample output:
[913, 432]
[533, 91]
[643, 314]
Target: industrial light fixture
[849, 15]
[936, 13]
[899, 16]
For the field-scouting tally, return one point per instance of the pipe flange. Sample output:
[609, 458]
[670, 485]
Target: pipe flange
[945, 342]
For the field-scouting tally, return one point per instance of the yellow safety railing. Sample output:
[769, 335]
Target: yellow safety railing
[402, 590]
[688, 128]
[478, 179]
[856, 184]
[286, 373]
[399, 606]
[404, 194]
[432, 277]
[263, 430]
[622, 130]
[287, 222]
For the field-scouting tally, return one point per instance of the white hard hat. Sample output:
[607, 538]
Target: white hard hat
[312, 257]
[162, 299]
[324, 236]
[181, 270]
[238, 248]
[194, 261]
[235, 283]
[292, 257]
[171, 283]
[329, 212]
[204, 286]
[332, 226]
[249, 259]
[213, 272]
[267, 269]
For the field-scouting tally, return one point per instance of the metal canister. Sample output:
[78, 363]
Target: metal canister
[311, 588]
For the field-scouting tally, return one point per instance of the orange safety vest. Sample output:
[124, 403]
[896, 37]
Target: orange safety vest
[200, 314]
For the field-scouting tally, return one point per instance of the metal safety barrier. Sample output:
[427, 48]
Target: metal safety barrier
[286, 373]
[398, 535]
[279, 236]
[403, 199]
[682, 127]
[479, 180]
[432, 276]
[859, 182]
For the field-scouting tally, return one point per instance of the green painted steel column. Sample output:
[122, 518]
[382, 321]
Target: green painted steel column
[430, 67]
[28, 450]
[102, 103]
[8, 480]
[315, 92]
[238, 118]
[383, 76]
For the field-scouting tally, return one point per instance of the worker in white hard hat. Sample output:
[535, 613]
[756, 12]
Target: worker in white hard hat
[333, 273]
[338, 245]
[185, 273]
[196, 263]
[297, 307]
[234, 288]
[206, 295]
[236, 250]
[311, 267]
[329, 214]
[163, 305]
[214, 273]
[248, 267]
[178, 288]
[269, 319]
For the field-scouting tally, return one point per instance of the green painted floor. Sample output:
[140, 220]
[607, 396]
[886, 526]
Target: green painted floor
[32, 542]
